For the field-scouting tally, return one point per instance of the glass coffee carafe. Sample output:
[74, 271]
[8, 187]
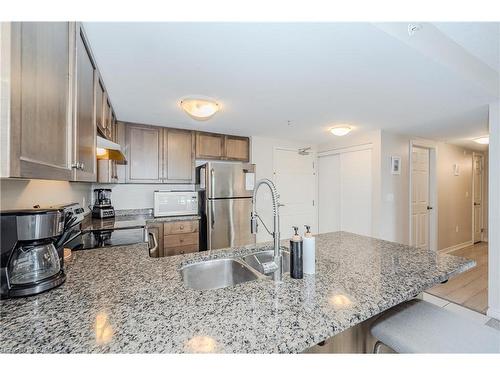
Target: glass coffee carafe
[33, 262]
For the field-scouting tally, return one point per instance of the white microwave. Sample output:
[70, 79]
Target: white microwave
[175, 203]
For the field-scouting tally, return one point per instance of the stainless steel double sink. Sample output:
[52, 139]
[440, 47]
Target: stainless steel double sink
[224, 272]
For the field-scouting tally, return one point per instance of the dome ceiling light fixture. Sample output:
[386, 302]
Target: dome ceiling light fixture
[340, 130]
[482, 140]
[200, 108]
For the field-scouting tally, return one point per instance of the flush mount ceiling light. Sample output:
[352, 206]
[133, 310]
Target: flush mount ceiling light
[200, 109]
[340, 131]
[482, 140]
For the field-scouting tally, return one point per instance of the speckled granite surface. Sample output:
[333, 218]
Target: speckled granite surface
[130, 221]
[120, 300]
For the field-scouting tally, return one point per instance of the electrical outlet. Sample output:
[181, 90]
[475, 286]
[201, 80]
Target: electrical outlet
[456, 228]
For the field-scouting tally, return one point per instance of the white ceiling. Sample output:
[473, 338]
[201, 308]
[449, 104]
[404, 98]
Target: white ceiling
[479, 38]
[315, 75]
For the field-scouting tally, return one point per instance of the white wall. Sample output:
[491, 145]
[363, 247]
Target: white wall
[27, 193]
[4, 97]
[137, 196]
[494, 213]
[262, 153]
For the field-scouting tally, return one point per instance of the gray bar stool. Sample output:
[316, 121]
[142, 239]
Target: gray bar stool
[420, 327]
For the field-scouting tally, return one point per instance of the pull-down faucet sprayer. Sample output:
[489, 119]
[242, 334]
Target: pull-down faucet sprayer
[275, 265]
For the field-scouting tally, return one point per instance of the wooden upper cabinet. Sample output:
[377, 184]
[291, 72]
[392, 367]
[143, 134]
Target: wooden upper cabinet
[222, 147]
[40, 122]
[108, 113]
[85, 129]
[209, 146]
[100, 96]
[178, 157]
[144, 154]
[237, 148]
[113, 127]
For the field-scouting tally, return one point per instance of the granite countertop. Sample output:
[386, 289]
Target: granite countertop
[129, 221]
[120, 300]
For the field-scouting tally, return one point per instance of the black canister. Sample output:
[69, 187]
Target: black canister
[296, 256]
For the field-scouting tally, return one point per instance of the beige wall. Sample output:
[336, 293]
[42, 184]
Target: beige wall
[394, 224]
[454, 196]
[27, 193]
[485, 195]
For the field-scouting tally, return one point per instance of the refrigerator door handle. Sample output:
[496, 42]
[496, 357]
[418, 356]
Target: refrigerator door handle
[212, 215]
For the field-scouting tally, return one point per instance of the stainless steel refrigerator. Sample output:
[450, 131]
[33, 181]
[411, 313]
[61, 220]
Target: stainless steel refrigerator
[225, 204]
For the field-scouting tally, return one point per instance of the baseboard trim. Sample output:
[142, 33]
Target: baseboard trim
[493, 313]
[456, 247]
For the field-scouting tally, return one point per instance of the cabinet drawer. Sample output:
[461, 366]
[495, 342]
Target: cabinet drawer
[186, 249]
[177, 227]
[181, 239]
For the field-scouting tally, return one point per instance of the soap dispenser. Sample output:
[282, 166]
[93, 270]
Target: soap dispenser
[296, 255]
[309, 252]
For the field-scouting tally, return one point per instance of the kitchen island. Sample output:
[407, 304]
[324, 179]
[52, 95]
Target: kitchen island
[121, 301]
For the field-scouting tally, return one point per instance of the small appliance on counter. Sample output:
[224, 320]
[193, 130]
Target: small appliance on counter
[102, 208]
[32, 248]
[175, 203]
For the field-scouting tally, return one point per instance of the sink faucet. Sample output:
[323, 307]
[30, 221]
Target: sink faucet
[275, 265]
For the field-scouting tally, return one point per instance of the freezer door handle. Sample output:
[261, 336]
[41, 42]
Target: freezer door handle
[212, 181]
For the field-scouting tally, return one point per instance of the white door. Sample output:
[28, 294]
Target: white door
[295, 180]
[478, 196]
[345, 192]
[420, 204]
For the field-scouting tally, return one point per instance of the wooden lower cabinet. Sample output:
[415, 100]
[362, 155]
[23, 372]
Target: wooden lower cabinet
[180, 237]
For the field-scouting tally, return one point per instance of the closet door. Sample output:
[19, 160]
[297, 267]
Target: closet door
[356, 192]
[345, 192]
[329, 193]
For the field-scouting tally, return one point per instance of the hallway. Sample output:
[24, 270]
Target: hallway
[469, 289]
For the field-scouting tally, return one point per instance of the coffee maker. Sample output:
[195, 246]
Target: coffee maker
[32, 248]
[30, 259]
[102, 208]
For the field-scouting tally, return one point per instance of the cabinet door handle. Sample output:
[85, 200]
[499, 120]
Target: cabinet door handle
[75, 165]
[82, 166]
[154, 248]
[181, 227]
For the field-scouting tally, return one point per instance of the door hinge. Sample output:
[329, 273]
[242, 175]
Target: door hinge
[313, 202]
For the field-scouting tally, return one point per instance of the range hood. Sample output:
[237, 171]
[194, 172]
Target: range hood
[109, 150]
